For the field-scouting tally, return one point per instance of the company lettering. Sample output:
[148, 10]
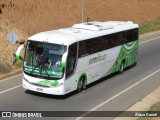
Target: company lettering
[98, 59]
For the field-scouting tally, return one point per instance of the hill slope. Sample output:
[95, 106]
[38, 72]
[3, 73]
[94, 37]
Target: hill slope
[28, 17]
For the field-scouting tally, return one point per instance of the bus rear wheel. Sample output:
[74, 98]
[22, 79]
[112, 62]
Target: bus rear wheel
[121, 70]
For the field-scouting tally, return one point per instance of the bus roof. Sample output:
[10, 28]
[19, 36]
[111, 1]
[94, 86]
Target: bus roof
[82, 31]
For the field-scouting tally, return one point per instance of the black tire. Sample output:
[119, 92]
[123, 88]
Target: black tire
[81, 85]
[121, 69]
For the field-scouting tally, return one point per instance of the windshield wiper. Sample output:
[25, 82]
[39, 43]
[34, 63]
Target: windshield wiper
[44, 69]
[40, 62]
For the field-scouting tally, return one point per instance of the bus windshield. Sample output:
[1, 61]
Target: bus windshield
[43, 60]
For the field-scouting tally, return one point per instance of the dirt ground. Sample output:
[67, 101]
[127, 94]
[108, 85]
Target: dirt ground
[28, 17]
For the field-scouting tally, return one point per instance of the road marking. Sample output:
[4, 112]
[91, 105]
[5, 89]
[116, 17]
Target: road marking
[149, 40]
[10, 78]
[10, 89]
[118, 94]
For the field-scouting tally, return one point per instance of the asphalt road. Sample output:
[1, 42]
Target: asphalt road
[116, 93]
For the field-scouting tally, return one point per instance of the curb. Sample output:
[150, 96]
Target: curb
[7, 76]
[149, 33]
[143, 105]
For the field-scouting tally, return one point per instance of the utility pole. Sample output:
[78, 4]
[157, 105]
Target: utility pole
[12, 61]
[82, 11]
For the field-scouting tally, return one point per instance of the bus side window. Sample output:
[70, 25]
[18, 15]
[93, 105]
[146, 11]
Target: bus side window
[71, 59]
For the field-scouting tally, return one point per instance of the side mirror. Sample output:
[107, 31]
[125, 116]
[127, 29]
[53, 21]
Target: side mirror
[64, 59]
[18, 51]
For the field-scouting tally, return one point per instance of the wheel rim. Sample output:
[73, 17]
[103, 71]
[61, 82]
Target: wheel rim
[80, 86]
[122, 67]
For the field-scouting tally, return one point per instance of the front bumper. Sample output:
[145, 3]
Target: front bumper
[47, 90]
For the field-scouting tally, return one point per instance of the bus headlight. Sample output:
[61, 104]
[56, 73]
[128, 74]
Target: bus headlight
[26, 80]
[58, 85]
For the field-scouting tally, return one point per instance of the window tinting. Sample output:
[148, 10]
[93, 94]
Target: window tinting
[71, 59]
[101, 43]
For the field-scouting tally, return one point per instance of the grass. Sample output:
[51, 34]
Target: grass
[7, 68]
[150, 26]
[155, 107]
[144, 118]
[4, 69]
[18, 64]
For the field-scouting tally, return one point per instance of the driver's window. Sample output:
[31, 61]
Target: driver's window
[71, 59]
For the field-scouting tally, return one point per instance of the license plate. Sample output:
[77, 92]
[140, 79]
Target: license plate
[40, 89]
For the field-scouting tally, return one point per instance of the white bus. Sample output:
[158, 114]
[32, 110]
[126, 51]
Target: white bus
[61, 61]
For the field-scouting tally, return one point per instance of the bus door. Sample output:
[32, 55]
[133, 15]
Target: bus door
[71, 59]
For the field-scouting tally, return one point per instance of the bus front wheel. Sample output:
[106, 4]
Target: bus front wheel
[81, 85]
